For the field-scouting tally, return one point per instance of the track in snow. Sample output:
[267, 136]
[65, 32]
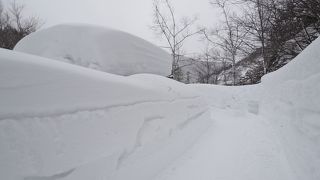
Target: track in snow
[239, 146]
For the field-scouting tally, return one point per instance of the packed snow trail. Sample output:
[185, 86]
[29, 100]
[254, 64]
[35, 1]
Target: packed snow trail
[238, 146]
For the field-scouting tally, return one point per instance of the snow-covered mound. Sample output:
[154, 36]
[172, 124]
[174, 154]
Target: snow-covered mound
[305, 65]
[61, 121]
[278, 124]
[291, 99]
[99, 48]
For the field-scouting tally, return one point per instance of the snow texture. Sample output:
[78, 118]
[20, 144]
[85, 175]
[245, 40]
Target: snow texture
[99, 48]
[61, 121]
[291, 101]
[64, 122]
[266, 131]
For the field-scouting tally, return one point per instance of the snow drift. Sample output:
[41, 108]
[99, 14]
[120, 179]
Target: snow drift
[291, 100]
[61, 121]
[288, 100]
[99, 48]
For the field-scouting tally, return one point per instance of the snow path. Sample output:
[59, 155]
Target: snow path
[238, 146]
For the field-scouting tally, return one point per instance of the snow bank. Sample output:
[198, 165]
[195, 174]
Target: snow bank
[291, 100]
[99, 48]
[288, 100]
[61, 121]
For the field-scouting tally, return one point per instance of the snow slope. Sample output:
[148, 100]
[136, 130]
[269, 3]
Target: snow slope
[99, 48]
[61, 121]
[291, 101]
[266, 131]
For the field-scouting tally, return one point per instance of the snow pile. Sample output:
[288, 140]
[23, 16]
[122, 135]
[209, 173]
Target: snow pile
[265, 131]
[288, 100]
[291, 100]
[99, 48]
[61, 121]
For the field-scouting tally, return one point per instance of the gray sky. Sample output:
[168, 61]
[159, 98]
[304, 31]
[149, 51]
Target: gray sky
[133, 16]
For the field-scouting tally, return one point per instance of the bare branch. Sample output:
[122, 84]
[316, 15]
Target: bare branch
[175, 32]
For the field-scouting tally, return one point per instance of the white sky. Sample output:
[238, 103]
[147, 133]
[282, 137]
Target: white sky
[133, 16]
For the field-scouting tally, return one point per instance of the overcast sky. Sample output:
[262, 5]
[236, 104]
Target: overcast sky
[133, 16]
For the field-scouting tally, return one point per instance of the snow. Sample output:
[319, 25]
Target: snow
[61, 121]
[305, 65]
[65, 122]
[240, 144]
[265, 131]
[237, 146]
[292, 103]
[100, 48]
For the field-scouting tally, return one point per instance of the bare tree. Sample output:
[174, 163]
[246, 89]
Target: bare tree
[14, 26]
[206, 69]
[174, 31]
[4, 17]
[257, 22]
[1, 7]
[23, 25]
[230, 38]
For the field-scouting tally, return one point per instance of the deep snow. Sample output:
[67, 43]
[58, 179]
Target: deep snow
[64, 122]
[100, 48]
[61, 121]
[266, 131]
[239, 146]
[291, 101]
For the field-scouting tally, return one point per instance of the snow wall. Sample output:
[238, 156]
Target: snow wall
[61, 121]
[291, 100]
